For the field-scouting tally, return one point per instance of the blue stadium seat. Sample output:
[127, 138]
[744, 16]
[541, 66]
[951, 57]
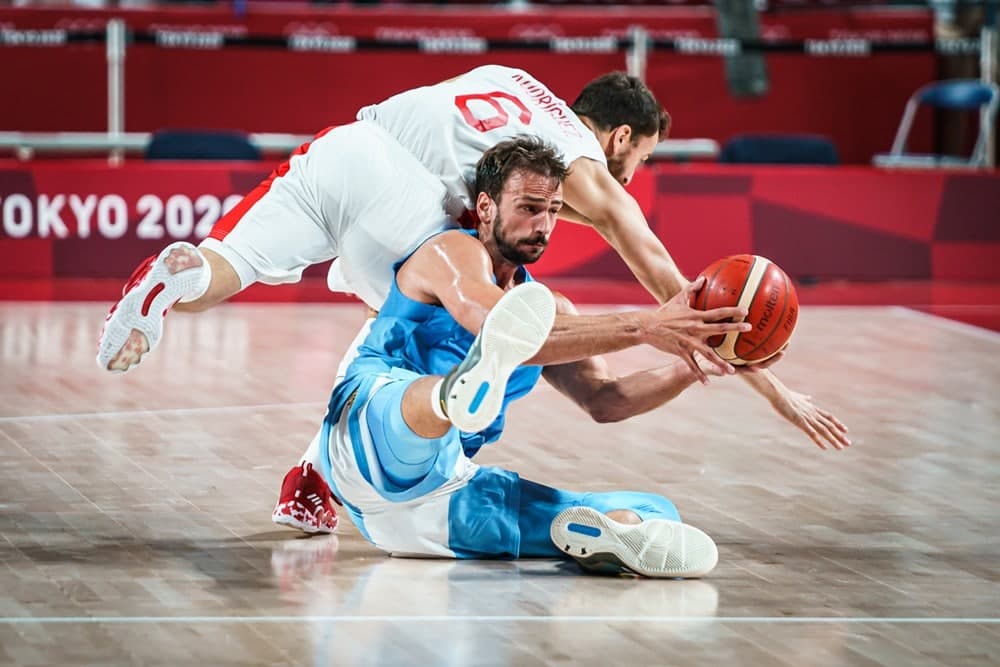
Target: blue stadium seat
[201, 145]
[779, 149]
[957, 94]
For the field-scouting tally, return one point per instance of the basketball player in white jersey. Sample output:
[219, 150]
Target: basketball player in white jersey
[370, 192]
[343, 195]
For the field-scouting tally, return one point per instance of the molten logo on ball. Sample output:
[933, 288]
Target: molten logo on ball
[760, 286]
[772, 300]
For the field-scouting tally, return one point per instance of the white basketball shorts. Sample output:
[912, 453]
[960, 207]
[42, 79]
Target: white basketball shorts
[353, 193]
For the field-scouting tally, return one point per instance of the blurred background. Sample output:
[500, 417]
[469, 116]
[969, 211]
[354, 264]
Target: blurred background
[853, 143]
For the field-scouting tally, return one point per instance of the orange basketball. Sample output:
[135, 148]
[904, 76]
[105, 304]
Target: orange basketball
[760, 286]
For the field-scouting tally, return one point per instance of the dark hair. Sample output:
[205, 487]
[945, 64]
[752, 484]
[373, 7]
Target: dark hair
[522, 152]
[615, 99]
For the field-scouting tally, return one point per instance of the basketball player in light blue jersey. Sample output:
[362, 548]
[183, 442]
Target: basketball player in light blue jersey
[465, 331]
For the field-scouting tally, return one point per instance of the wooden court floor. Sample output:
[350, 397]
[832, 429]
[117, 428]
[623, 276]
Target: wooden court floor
[135, 510]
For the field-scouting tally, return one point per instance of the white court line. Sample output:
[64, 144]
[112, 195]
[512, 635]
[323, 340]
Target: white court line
[165, 411]
[16, 620]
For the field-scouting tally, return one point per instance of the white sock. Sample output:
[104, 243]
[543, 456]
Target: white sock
[311, 455]
[436, 405]
[204, 280]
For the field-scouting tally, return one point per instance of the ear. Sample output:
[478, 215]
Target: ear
[621, 137]
[486, 208]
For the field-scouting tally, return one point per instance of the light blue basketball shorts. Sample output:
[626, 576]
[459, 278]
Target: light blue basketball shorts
[414, 496]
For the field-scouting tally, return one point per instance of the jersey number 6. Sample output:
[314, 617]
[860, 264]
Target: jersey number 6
[492, 122]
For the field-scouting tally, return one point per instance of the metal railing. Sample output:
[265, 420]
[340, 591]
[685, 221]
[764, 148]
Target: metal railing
[118, 144]
[637, 46]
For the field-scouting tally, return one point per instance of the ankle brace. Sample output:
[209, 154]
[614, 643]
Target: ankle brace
[203, 281]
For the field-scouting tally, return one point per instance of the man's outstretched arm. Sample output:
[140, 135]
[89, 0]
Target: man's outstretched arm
[599, 200]
[822, 427]
[589, 383]
[606, 398]
[453, 269]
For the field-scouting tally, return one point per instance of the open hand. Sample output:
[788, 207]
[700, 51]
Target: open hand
[820, 425]
[679, 329]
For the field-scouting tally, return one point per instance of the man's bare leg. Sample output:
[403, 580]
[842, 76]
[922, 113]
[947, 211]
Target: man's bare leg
[223, 283]
[418, 408]
[625, 516]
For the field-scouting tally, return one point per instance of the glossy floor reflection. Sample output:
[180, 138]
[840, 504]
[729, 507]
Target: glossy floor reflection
[134, 510]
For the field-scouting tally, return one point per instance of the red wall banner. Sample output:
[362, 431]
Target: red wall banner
[75, 230]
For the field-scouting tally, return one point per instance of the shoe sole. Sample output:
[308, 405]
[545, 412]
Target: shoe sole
[653, 548]
[514, 330]
[292, 522]
[134, 326]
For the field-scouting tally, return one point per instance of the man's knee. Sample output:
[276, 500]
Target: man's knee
[645, 505]
[625, 516]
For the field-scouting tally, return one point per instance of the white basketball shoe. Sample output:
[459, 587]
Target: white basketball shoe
[134, 325]
[514, 330]
[653, 548]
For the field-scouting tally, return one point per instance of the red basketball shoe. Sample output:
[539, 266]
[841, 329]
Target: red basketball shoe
[305, 502]
[134, 325]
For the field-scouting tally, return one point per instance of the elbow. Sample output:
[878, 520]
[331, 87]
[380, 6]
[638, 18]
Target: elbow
[606, 416]
[608, 406]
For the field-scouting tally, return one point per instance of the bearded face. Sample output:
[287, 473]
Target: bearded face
[520, 221]
[518, 249]
[524, 216]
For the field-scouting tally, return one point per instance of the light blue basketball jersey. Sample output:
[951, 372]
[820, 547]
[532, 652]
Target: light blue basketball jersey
[424, 339]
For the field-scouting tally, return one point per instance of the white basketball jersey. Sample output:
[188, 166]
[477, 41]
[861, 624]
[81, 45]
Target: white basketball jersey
[448, 126]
